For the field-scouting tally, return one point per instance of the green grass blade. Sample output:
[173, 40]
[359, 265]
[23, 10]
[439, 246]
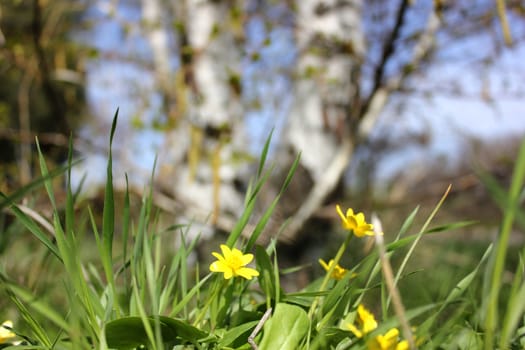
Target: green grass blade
[264, 154]
[45, 173]
[248, 210]
[22, 192]
[108, 214]
[35, 230]
[181, 304]
[70, 213]
[126, 218]
[511, 207]
[266, 276]
[33, 324]
[269, 211]
[515, 308]
[37, 305]
[418, 237]
[407, 223]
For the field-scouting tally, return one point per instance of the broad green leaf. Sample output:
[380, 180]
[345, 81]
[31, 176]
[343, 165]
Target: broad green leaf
[237, 336]
[286, 329]
[267, 275]
[129, 332]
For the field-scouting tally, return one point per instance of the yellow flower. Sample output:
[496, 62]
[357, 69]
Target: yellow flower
[5, 331]
[355, 222]
[389, 341]
[232, 263]
[338, 273]
[366, 322]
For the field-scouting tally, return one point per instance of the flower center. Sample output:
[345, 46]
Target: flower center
[234, 262]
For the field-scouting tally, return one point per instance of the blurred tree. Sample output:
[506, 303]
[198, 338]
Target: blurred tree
[41, 69]
[331, 66]
[347, 60]
[201, 100]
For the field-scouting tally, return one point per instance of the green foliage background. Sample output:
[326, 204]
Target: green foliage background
[77, 285]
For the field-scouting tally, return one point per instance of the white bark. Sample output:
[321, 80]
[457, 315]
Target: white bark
[158, 39]
[331, 43]
[215, 57]
[212, 104]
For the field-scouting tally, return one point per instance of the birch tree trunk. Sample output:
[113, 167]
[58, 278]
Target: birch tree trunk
[156, 33]
[331, 47]
[208, 135]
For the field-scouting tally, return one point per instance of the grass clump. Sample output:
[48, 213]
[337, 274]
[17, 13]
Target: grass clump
[131, 295]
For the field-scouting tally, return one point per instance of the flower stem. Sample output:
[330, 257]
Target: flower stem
[213, 298]
[337, 258]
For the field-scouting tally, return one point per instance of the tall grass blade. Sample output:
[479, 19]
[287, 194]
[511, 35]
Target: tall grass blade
[267, 214]
[33, 324]
[35, 230]
[126, 218]
[515, 309]
[23, 191]
[70, 214]
[511, 208]
[418, 237]
[264, 154]
[108, 214]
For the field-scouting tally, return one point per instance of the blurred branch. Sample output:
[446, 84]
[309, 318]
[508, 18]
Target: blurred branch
[371, 112]
[327, 183]
[321, 189]
[24, 161]
[2, 36]
[380, 97]
[388, 51]
[52, 138]
[56, 103]
[28, 137]
[502, 13]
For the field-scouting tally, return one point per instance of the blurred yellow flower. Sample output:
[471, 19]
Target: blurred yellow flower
[5, 331]
[366, 322]
[388, 341]
[355, 222]
[232, 263]
[338, 273]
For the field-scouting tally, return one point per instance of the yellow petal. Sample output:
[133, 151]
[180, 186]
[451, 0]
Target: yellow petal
[218, 266]
[324, 264]
[246, 259]
[354, 330]
[392, 334]
[340, 212]
[5, 331]
[367, 319]
[247, 272]
[226, 252]
[228, 273]
[218, 256]
[402, 345]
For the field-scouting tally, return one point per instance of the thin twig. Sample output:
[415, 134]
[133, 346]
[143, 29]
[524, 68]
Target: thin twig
[258, 328]
[505, 28]
[379, 97]
[388, 51]
[56, 103]
[38, 218]
[389, 279]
